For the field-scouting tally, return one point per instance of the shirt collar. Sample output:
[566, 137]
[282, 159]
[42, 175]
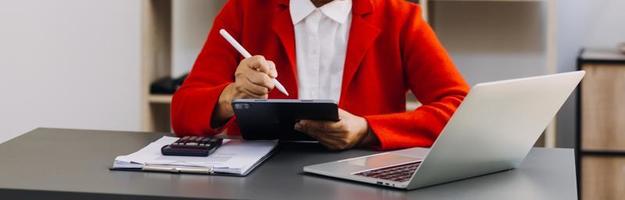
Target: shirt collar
[337, 10]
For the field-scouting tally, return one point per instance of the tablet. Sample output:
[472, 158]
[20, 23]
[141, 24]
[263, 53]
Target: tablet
[261, 119]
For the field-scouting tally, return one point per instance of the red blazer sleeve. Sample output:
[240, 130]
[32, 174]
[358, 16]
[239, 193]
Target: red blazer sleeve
[434, 80]
[193, 104]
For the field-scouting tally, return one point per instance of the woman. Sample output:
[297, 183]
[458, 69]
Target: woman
[364, 54]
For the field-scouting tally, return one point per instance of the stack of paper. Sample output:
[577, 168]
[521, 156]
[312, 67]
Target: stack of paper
[234, 157]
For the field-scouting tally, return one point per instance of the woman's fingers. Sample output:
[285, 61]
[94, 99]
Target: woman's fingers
[253, 78]
[273, 72]
[323, 126]
[260, 79]
[323, 138]
[243, 91]
[259, 63]
[254, 88]
[329, 134]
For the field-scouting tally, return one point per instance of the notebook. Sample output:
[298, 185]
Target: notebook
[234, 157]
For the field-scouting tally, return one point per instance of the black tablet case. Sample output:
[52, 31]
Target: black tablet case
[261, 119]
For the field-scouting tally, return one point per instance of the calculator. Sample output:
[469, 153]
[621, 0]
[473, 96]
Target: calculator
[192, 146]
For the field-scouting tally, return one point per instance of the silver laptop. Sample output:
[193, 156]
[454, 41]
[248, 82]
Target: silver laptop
[493, 130]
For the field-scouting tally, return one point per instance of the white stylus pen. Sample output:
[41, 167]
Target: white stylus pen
[246, 54]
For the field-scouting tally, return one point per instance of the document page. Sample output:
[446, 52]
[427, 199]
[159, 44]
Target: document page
[234, 156]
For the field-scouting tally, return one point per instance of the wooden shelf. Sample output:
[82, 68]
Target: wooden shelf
[160, 98]
[156, 62]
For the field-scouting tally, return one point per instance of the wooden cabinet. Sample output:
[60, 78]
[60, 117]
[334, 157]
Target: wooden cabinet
[604, 177]
[601, 144]
[603, 112]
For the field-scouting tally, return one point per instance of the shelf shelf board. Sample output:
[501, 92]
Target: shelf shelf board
[160, 98]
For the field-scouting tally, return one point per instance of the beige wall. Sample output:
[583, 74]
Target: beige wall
[69, 63]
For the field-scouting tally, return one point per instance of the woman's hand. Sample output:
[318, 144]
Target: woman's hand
[348, 132]
[253, 80]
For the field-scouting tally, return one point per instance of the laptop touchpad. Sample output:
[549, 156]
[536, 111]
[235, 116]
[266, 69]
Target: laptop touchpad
[380, 160]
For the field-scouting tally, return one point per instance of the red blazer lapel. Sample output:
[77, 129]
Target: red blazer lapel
[362, 36]
[283, 27]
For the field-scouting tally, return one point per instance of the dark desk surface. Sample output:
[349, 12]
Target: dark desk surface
[73, 164]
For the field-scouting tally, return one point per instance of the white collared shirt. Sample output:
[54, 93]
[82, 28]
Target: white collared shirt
[320, 46]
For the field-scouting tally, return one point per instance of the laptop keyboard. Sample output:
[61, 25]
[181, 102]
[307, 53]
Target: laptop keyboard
[399, 173]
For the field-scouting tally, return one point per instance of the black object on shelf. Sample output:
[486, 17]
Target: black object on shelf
[167, 85]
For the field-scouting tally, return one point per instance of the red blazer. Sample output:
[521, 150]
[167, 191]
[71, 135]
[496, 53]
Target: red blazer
[391, 50]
